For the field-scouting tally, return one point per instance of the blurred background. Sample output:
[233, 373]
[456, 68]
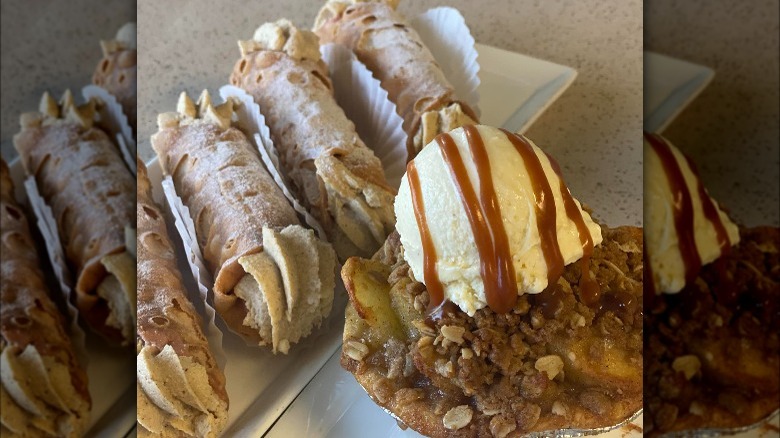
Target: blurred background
[592, 129]
[732, 130]
[51, 47]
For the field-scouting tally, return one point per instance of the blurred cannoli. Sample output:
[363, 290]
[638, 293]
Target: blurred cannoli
[116, 71]
[44, 388]
[80, 174]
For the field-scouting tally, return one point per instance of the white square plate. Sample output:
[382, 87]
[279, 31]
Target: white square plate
[670, 85]
[261, 386]
[110, 370]
[516, 89]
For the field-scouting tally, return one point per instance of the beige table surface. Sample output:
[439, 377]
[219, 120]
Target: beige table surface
[51, 45]
[732, 130]
[593, 129]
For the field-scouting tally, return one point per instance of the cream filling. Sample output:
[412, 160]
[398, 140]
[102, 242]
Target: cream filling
[174, 397]
[37, 396]
[288, 287]
[363, 211]
[119, 291]
[433, 123]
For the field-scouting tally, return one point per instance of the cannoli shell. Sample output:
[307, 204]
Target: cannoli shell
[381, 39]
[309, 128]
[165, 314]
[230, 197]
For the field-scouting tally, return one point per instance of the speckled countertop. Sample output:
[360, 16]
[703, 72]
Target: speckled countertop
[732, 130]
[593, 129]
[51, 47]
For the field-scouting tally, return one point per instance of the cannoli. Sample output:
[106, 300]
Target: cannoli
[273, 279]
[116, 72]
[382, 40]
[180, 388]
[44, 389]
[80, 174]
[336, 176]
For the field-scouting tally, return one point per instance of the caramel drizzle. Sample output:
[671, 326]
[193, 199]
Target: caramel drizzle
[484, 215]
[544, 205]
[711, 212]
[683, 206]
[589, 288]
[432, 282]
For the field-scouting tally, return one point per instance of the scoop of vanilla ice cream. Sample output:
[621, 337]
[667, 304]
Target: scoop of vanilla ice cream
[458, 260]
[662, 243]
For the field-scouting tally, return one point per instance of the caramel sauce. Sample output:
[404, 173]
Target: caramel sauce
[711, 212]
[545, 207]
[484, 216]
[725, 286]
[434, 314]
[432, 282]
[589, 288]
[683, 206]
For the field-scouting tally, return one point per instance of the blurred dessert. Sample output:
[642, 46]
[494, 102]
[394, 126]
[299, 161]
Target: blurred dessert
[273, 278]
[499, 307]
[685, 228]
[180, 388]
[711, 320]
[116, 72]
[82, 177]
[43, 390]
[381, 39]
[333, 173]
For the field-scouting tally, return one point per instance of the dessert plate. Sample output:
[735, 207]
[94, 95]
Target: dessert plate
[670, 85]
[333, 404]
[110, 370]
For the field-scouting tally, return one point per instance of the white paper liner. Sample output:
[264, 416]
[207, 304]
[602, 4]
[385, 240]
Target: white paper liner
[126, 155]
[114, 121]
[48, 229]
[252, 123]
[445, 33]
[366, 104]
[186, 231]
